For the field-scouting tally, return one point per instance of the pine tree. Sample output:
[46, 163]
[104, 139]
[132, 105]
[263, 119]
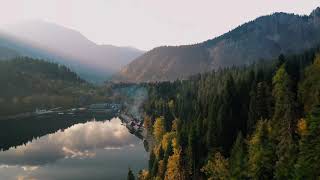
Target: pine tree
[152, 163]
[252, 114]
[238, 159]
[167, 154]
[191, 150]
[283, 97]
[159, 129]
[309, 88]
[283, 122]
[260, 104]
[263, 101]
[166, 145]
[281, 61]
[211, 136]
[308, 163]
[261, 152]
[130, 175]
[226, 123]
[174, 168]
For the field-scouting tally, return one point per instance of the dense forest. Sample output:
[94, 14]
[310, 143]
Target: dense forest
[256, 122]
[27, 84]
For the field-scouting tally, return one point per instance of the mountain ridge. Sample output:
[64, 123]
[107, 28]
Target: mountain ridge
[68, 47]
[266, 37]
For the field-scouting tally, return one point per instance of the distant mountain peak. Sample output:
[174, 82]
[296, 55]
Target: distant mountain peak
[316, 12]
[47, 40]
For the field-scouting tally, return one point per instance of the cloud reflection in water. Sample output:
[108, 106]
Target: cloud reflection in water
[78, 141]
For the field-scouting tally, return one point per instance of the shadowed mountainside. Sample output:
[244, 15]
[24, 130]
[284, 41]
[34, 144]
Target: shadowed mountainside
[40, 39]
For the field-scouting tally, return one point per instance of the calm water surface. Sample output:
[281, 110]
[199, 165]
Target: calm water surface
[87, 150]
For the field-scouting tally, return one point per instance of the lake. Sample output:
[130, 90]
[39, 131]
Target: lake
[58, 148]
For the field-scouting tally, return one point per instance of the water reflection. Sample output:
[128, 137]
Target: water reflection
[79, 146]
[15, 132]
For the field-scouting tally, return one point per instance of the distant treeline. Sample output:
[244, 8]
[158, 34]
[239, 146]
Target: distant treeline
[256, 122]
[28, 83]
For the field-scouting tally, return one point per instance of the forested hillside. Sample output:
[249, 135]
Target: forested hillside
[28, 83]
[255, 122]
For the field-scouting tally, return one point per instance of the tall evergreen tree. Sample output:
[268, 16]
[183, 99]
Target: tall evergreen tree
[283, 123]
[152, 162]
[130, 175]
[238, 159]
[260, 104]
[310, 86]
[261, 152]
[159, 128]
[174, 167]
[308, 163]
[263, 101]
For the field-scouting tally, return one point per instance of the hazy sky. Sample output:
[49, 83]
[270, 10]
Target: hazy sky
[149, 23]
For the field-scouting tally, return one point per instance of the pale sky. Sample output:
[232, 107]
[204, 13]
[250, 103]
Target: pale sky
[146, 24]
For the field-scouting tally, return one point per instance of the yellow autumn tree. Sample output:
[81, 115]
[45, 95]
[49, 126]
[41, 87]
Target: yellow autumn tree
[174, 169]
[156, 150]
[159, 129]
[174, 126]
[147, 124]
[217, 168]
[143, 175]
[166, 139]
[161, 168]
[302, 127]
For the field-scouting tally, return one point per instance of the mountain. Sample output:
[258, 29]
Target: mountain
[263, 38]
[29, 83]
[41, 39]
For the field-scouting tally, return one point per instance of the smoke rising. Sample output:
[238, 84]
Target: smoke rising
[136, 96]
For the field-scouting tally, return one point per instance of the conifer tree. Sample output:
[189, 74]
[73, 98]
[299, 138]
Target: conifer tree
[238, 159]
[308, 163]
[174, 169]
[152, 163]
[260, 104]
[130, 175]
[261, 152]
[159, 129]
[282, 124]
[309, 89]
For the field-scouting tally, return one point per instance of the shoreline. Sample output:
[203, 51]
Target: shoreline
[17, 116]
